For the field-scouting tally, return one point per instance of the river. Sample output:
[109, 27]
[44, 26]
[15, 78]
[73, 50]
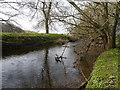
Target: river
[38, 69]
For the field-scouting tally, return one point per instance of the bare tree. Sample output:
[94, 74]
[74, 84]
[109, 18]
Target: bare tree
[46, 11]
[98, 17]
[10, 10]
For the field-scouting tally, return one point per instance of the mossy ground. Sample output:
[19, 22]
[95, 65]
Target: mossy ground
[105, 73]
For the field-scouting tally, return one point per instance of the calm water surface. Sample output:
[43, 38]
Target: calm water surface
[38, 69]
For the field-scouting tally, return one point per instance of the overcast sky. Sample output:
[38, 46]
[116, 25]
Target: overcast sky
[26, 23]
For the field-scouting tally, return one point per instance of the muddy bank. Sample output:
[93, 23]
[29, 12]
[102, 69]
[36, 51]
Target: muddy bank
[85, 60]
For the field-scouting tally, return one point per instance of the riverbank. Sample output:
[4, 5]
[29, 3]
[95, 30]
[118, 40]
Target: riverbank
[85, 60]
[22, 40]
[105, 73]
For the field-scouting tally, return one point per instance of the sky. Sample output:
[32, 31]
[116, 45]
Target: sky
[25, 21]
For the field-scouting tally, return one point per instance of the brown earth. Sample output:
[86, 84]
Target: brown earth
[85, 60]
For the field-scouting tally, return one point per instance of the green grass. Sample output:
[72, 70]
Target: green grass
[50, 36]
[105, 73]
[30, 39]
[31, 34]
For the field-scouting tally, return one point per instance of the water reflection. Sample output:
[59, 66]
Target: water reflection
[38, 69]
[46, 79]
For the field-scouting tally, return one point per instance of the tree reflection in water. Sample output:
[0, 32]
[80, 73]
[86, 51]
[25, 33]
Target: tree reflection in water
[46, 79]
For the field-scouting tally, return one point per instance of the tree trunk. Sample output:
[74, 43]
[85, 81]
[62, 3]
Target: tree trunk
[107, 29]
[47, 15]
[48, 18]
[105, 41]
[47, 26]
[114, 27]
[109, 42]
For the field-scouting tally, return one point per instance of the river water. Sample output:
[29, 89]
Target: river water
[38, 69]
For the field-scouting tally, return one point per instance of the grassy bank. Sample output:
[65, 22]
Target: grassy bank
[105, 73]
[30, 39]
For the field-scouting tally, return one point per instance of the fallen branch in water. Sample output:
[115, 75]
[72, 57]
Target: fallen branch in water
[83, 85]
[59, 58]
